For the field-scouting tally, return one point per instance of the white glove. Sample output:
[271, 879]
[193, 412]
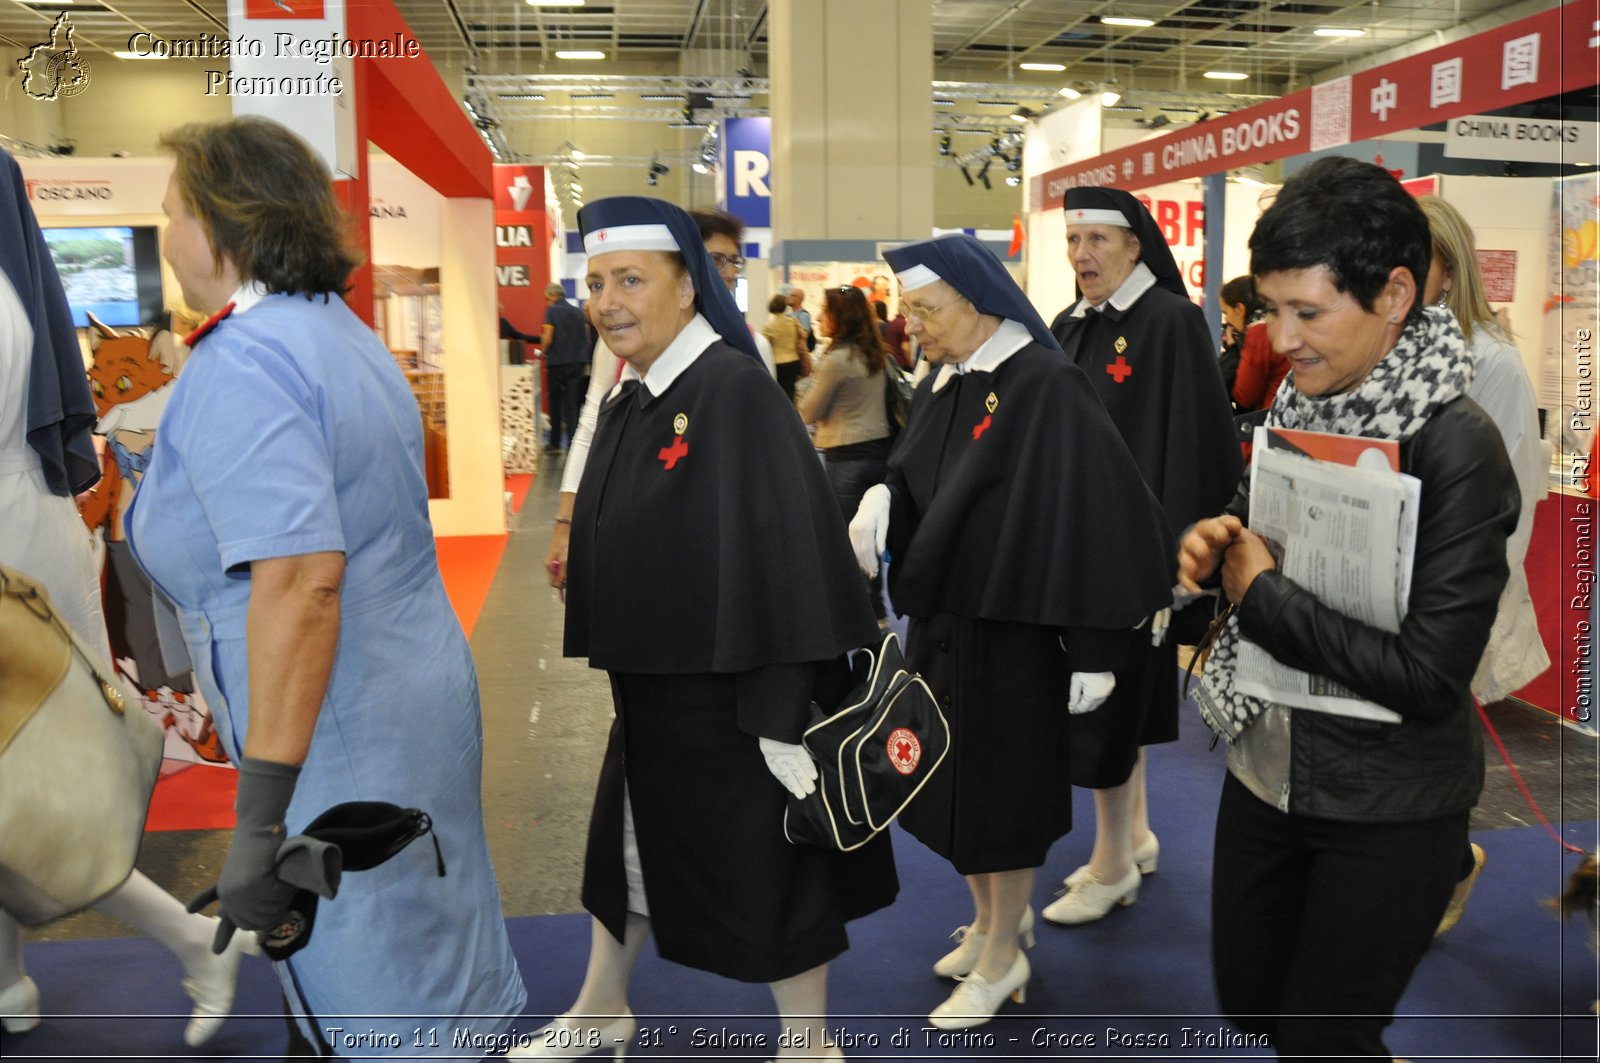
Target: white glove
[869, 528]
[790, 765]
[1158, 626]
[1089, 691]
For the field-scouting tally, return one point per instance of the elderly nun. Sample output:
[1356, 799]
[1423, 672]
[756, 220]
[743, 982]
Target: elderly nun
[711, 576]
[1026, 550]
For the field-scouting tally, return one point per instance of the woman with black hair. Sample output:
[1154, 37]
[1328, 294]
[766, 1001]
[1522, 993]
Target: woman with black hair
[1338, 839]
[1239, 309]
[846, 403]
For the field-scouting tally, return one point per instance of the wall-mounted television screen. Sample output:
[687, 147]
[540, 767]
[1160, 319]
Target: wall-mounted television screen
[112, 272]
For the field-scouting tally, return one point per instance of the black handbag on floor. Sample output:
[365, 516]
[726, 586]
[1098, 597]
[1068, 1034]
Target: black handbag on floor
[874, 754]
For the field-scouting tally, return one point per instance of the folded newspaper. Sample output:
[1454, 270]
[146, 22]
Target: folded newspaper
[1341, 521]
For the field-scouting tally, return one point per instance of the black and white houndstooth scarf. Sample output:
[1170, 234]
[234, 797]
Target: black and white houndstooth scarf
[1428, 366]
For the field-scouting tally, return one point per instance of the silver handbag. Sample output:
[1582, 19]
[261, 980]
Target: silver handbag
[78, 761]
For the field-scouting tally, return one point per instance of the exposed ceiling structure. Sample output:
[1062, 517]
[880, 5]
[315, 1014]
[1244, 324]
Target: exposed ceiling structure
[671, 60]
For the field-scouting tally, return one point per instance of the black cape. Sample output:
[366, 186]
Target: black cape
[732, 559]
[1030, 512]
[1170, 405]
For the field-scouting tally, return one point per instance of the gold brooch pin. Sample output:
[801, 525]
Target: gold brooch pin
[991, 402]
[680, 424]
[1121, 344]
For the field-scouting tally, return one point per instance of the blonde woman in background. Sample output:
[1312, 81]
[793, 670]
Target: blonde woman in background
[788, 341]
[1500, 385]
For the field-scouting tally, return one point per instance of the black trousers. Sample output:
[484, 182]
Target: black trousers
[788, 376]
[850, 477]
[1317, 925]
[567, 385]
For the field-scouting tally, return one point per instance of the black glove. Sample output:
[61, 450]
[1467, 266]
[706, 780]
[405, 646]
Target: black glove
[252, 895]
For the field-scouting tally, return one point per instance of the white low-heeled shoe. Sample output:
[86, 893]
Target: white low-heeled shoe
[576, 1036]
[19, 1006]
[961, 959]
[213, 988]
[976, 999]
[1089, 899]
[1146, 857]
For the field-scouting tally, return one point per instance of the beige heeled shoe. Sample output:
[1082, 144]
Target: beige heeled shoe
[961, 959]
[1146, 856]
[576, 1036]
[976, 999]
[1089, 899]
[19, 1006]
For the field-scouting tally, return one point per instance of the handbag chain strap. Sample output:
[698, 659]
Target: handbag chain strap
[35, 601]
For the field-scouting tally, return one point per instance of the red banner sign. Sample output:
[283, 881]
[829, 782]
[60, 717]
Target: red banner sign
[1543, 55]
[522, 245]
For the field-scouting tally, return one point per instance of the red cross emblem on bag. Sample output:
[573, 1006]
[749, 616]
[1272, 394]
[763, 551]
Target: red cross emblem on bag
[905, 751]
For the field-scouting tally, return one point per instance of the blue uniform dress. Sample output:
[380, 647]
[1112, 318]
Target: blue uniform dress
[292, 431]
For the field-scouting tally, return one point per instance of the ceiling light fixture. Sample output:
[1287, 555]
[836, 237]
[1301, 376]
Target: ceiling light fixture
[1048, 67]
[1013, 180]
[997, 103]
[554, 3]
[940, 101]
[1069, 92]
[1116, 20]
[662, 96]
[1251, 177]
[1225, 75]
[580, 53]
[1110, 96]
[591, 96]
[1022, 114]
[1338, 31]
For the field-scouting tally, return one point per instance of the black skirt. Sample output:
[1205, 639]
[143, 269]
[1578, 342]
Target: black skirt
[727, 892]
[1003, 795]
[1141, 711]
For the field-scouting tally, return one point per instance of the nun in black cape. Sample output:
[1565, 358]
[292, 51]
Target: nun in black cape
[1146, 348]
[1026, 551]
[711, 576]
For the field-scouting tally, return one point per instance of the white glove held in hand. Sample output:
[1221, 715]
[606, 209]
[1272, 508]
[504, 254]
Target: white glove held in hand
[790, 765]
[1158, 626]
[869, 528]
[1089, 691]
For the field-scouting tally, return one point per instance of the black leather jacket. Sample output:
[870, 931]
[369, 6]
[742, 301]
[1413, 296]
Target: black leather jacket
[1431, 763]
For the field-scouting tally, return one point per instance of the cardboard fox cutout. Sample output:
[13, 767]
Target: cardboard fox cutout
[131, 377]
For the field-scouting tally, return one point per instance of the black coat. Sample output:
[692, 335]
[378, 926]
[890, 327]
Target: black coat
[1431, 763]
[711, 574]
[1154, 368]
[1025, 547]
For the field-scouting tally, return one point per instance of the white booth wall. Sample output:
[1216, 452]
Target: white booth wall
[114, 191]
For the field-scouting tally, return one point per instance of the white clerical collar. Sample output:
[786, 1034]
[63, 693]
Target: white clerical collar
[248, 294]
[1007, 340]
[1139, 281]
[689, 344]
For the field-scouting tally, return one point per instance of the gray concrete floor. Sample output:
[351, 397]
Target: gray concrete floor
[545, 725]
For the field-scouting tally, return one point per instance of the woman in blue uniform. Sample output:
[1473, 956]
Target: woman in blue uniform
[285, 512]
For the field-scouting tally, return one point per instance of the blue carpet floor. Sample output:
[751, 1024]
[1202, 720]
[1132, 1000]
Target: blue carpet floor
[1510, 982]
